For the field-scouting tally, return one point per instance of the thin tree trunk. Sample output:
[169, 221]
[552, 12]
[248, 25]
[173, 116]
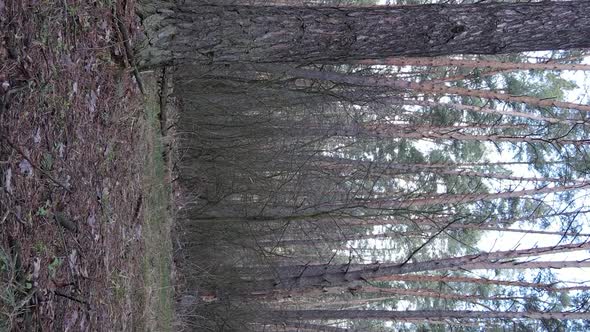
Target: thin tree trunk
[302, 326]
[467, 198]
[424, 315]
[424, 292]
[394, 169]
[325, 240]
[317, 276]
[455, 133]
[425, 87]
[392, 235]
[486, 110]
[339, 290]
[448, 62]
[461, 279]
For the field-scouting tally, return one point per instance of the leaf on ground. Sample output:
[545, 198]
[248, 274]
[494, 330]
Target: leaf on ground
[70, 321]
[92, 223]
[25, 167]
[36, 269]
[83, 327]
[92, 101]
[8, 179]
[137, 234]
[84, 271]
[37, 137]
[73, 261]
[60, 149]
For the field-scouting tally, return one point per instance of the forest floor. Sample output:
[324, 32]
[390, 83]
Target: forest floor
[84, 188]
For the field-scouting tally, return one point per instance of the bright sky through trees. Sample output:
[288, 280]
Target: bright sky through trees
[509, 240]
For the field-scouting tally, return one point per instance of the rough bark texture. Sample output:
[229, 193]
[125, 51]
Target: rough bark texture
[218, 34]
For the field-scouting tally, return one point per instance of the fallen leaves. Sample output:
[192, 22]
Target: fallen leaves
[8, 180]
[62, 100]
[25, 168]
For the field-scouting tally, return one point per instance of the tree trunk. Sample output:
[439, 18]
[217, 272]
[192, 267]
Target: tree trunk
[425, 87]
[424, 292]
[486, 110]
[461, 279]
[431, 200]
[446, 62]
[191, 32]
[379, 270]
[301, 327]
[425, 315]
[325, 275]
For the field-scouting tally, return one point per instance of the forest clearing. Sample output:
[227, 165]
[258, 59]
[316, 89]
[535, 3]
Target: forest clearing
[292, 165]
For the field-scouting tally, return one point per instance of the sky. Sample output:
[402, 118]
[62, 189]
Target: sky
[509, 240]
[501, 241]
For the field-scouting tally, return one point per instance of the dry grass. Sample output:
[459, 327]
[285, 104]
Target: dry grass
[157, 259]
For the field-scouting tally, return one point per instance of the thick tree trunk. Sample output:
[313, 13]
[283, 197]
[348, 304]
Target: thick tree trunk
[191, 32]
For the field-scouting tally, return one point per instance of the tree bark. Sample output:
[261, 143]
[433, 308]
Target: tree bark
[426, 200]
[487, 110]
[301, 327]
[425, 315]
[425, 87]
[425, 292]
[462, 279]
[325, 275]
[191, 32]
[446, 62]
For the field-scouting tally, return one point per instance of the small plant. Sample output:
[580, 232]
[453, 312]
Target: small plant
[40, 248]
[43, 211]
[13, 295]
[47, 162]
[53, 266]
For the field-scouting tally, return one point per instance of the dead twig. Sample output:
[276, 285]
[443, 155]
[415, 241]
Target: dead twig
[69, 297]
[128, 50]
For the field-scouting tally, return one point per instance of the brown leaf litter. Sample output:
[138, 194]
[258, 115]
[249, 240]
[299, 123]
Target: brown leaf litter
[69, 173]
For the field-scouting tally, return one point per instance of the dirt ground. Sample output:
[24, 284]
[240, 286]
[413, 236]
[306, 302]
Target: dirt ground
[80, 168]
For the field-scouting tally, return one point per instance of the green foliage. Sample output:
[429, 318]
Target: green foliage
[53, 266]
[15, 291]
[544, 85]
